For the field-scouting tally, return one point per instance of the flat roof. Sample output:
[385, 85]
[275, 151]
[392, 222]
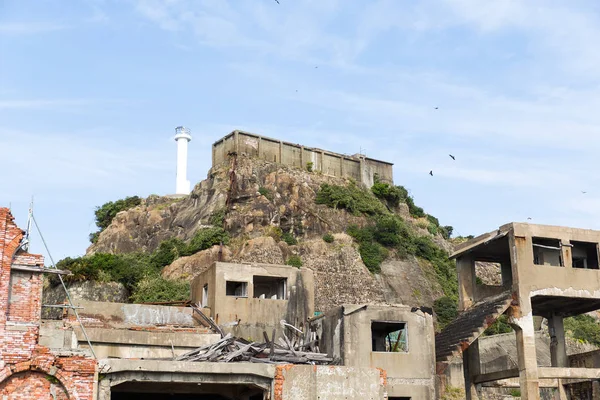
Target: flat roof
[298, 145]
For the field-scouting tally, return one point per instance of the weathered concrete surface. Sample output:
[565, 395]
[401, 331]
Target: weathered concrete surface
[89, 290]
[330, 383]
[121, 343]
[122, 315]
[247, 316]
[346, 334]
[120, 372]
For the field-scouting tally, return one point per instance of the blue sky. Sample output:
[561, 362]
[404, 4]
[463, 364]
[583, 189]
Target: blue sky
[90, 94]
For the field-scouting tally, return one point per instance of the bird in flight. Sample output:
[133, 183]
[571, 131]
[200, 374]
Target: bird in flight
[528, 218]
[277, 1]
[431, 173]
[452, 157]
[436, 108]
[583, 192]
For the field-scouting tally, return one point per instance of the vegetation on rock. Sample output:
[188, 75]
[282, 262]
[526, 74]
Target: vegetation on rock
[294, 261]
[154, 288]
[106, 212]
[289, 238]
[446, 310]
[328, 238]
[584, 328]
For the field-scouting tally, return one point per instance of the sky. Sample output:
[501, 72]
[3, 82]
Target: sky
[91, 92]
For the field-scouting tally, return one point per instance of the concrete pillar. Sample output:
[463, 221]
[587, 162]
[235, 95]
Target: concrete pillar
[471, 368]
[595, 390]
[302, 163]
[281, 152]
[236, 142]
[558, 349]
[562, 393]
[465, 266]
[260, 154]
[528, 370]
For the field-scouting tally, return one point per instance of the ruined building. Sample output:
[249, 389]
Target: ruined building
[546, 272]
[358, 167]
[123, 351]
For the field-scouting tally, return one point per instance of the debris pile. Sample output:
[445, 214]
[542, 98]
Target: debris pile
[285, 351]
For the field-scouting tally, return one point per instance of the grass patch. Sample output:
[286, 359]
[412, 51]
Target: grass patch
[328, 238]
[153, 289]
[265, 192]
[294, 261]
[289, 238]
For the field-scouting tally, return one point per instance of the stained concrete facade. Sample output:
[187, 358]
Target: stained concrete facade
[396, 339]
[358, 167]
[249, 299]
[550, 272]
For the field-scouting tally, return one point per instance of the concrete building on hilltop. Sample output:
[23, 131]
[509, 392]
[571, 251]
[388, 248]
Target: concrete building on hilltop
[546, 272]
[358, 167]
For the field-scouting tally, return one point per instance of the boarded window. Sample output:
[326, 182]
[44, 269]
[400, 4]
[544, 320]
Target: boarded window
[269, 287]
[389, 336]
[547, 252]
[237, 289]
[584, 255]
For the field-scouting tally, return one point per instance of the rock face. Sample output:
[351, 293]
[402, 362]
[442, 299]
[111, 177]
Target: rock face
[259, 201]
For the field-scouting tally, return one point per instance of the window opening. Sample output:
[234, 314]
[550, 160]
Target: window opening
[237, 289]
[269, 287]
[389, 336]
[205, 295]
[584, 255]
[488, 273]
[547, 252]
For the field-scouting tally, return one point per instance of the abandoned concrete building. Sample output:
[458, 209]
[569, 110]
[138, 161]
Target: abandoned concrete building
[97, 350]
[546, 272]
[358, 167]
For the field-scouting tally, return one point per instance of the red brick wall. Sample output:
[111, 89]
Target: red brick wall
[32, 386]
[27, 370]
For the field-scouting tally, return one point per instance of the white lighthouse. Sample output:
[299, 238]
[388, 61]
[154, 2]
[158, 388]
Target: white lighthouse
[182, 137]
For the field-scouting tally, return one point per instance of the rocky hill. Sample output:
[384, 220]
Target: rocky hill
[271, 213]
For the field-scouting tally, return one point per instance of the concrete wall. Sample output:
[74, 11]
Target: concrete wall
[346, 332]
[123, 315]
[359, 168]
[247, 316]
[309, 382]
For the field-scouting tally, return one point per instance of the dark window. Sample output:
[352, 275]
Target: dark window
[269, 287]
[237, 289]
[389, 336]
[584, 255]
[547, 252]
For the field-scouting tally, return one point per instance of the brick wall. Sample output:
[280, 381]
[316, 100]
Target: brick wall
[27, 370]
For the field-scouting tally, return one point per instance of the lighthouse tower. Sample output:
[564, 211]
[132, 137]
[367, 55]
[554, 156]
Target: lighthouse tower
[182, 137]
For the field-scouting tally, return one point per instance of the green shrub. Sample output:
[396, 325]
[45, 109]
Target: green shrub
[583, 327]
[153, 289]
[106, 212]
[432, 229]
[309, 166]
[351, 198]
[446, 309]
[393, 195]
[217, 218]
[294, 261]
[446, 231]
[515, 392]
[275, 232]
[206, 238]
[372, 255]
[414, 211]
[328, 238]
[265, 192]
[289, 238]
[168, 251]
[94, 236]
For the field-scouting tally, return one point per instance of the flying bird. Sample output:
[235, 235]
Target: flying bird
[277, 1]
[452, 157]
[583, 192]
[436, 108]
[431, 173]
[528, 218]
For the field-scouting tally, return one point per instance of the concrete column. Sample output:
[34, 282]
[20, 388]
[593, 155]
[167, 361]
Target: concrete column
[302, 163]
[260, 155]
[281, 152]
[236, 142]
[562, 393]
[528, 370]
[471, 368]
[342, 167]
[566, 253]
[595, 390]
[558, 350]
[465, 266]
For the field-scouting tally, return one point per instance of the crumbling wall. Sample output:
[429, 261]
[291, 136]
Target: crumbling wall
[328, 382]
[28, 370]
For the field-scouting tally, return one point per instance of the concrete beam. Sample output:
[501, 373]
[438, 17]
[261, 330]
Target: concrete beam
[496, 376]
[568, 373]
